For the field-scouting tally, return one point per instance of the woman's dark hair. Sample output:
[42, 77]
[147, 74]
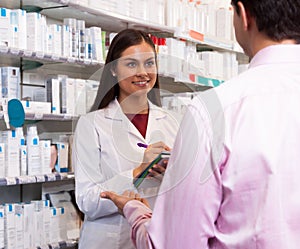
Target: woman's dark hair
[278, 19]
[109, 87]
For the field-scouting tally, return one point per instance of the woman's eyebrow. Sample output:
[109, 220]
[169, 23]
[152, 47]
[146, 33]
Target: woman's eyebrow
[134, 59]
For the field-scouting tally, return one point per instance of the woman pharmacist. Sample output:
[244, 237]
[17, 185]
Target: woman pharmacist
[106, 155]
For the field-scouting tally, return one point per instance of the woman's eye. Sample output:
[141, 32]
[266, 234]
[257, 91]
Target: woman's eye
[150, 63]
[131, 64]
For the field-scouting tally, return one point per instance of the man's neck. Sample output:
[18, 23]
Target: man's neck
[260, 41]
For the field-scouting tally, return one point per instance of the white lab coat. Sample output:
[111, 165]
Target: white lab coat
[105, 152]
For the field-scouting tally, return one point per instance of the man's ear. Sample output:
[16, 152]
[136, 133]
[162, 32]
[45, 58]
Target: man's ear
[246, 19]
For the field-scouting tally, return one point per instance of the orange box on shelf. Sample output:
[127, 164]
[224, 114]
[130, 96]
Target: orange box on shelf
[196, 35]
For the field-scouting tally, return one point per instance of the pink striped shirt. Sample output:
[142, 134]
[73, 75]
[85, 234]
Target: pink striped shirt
[232, 180]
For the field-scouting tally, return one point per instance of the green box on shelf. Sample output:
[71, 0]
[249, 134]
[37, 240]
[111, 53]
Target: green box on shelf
[208, 81]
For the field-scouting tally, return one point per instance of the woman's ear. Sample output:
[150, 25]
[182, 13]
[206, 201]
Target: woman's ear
[113, 70]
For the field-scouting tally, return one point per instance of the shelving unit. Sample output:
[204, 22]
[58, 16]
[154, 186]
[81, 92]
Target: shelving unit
[20, 180]
[26, 188]
[109, 21]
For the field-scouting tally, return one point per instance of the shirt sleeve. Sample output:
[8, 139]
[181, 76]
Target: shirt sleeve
[90, 180]
[138, 215]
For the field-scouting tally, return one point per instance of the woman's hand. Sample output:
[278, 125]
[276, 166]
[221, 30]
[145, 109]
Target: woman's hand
[121, 200]
[152, 151]
[158, 170]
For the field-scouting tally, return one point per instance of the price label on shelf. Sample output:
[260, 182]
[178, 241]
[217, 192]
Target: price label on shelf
[71, 59]
[3, 182]
[3, 49]
[64, 59]
[28, 53]
[31, 179]
[87, 62]
[63, 176]
[47, 56]
[67, 116]
[50, 177]
[38, 116]
[95, 62]
[55, 57]
[44, 247]
[11, 180]
[39, 55]
[40, 178]
[15, 51]
[23, 179]
[55, 245]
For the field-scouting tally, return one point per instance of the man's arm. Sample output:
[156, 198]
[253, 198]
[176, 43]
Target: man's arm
[137, 212]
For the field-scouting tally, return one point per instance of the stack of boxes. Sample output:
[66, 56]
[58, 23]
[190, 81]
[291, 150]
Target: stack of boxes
[30, 32]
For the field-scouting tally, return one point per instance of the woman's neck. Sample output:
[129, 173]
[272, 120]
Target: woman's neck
[134, 105]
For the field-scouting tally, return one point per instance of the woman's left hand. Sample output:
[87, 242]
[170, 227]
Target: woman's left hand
[152, 151]
[158, 170]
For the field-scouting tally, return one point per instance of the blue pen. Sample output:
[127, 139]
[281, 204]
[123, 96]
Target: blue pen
[142, 145]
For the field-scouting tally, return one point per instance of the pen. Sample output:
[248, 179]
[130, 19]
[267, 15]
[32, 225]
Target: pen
[142, 145]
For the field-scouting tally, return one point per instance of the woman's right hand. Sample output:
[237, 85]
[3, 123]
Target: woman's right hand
[152, 151]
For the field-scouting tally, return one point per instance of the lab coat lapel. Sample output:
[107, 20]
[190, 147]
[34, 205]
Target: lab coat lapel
[121, 122]
[155, 115]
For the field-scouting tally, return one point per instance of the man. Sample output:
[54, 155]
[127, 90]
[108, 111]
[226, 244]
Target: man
[232, 180]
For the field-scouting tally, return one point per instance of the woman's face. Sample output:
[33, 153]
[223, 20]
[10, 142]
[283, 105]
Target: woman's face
[136, 71]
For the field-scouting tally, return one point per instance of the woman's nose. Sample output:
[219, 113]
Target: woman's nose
[141, 70]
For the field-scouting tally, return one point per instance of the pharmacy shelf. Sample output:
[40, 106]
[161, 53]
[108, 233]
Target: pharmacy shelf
[171, 85]
[50, 64]
[191, 82]
[44, 57]
[114, 22]
[47, 116]
[60, 245]
[115, 18]
[209, 42]
[117, 22]
[107, 20]
[204, 81]
[57, 117]
[63, 244]
[17, 4]
[20, 180]
[58, 65]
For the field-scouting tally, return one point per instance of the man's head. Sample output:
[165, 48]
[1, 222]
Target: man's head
[278, 20]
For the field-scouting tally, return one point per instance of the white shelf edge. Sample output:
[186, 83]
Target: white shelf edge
[212, 42]
[43, 116]
[40, 56]
[187, 81]
[20, 180]
[208, 40]
[49, 116]
[127, 19]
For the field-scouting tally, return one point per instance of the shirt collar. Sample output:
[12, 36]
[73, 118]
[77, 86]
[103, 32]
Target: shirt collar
[275, 54]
